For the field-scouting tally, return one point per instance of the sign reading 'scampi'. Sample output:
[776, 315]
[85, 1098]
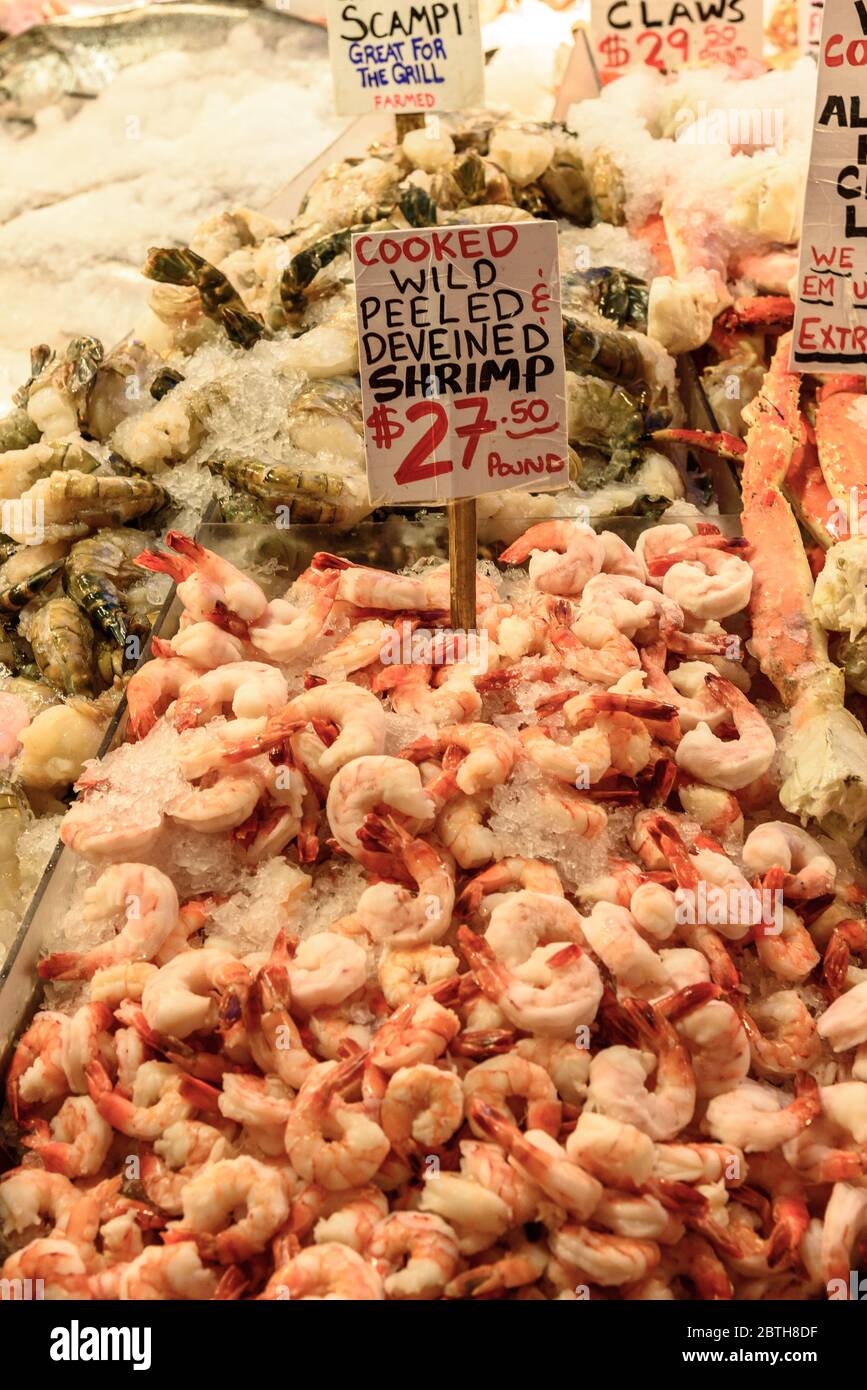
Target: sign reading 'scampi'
[667, 34]
[396, 56]
[461, 360]
[831, 310]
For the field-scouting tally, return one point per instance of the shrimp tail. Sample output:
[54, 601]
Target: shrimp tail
[63, 965]
[200, 1093]
[689, 998]
[161, 562]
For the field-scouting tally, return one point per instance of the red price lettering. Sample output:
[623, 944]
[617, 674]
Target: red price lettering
[652, 45]
[535, 411]
[473, 431]
[414, 469]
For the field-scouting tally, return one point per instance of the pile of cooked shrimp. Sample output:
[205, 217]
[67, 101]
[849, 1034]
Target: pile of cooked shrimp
[495, 1077]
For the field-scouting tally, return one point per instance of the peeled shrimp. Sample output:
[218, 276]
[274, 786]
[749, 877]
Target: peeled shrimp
[415, 1254]
[756, 1117]
[328, 1141]
[735, 763]
[552, 993]
[150, 905]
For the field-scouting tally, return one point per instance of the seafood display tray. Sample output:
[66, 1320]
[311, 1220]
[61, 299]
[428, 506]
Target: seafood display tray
[276, 557]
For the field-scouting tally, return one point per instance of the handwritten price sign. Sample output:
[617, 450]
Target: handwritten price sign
[667, 34]
[461, 358]
[830, 328]
[403, 56]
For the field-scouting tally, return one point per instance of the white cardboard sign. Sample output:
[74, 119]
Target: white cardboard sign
[810, 26]
[667, 34]
[830, 330]
[399, 56]
[461, 359]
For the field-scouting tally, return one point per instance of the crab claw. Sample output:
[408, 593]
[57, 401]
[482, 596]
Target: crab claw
[723, 444]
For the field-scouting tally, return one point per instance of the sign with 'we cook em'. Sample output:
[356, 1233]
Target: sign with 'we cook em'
[461, 359]
[400, 57]
[831, 308]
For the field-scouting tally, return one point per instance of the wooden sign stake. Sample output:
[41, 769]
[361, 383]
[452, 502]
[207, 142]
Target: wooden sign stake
[462, 562]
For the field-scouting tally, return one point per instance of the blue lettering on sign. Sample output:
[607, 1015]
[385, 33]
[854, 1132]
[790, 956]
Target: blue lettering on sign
[385, 65]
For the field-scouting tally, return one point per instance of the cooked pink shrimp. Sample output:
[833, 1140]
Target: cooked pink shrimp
[461, 829]
[716, 810]
[637, 610]
[157, 1100]
[214, 1196]
[756, 1117]
[36, 1073]
[789, 954]
[604, 1259]
[419, 1031]
[411, 693]
[390, 912]
[364, 785]
[805, 871]
[331, 1271]
[251, 688]
[183, 997]
[618, 1154]
[710, 584]
[525, 1263]
[737, 762]
[684, 688]
[153, 687]
[357, 713]
[845, 1220]
[178, 1153]
[58, 1266]
[532, 874]
[595, 649]
[491, 754]
[844, 1022]
[553, 992]
[326, 968]
[488, 1165]
[612, 935]
[86, 1037]
[414, 1253]
[541, 1160]
[150, 905]
[328, 1141]
[423, 1105]
[782, 1034]
[524, 920]
[563, 555]
[476, 1214]
[499, 1081]
[31, 1196]
[348, 1217]
[567, 1065]
[167, 1272]
[719, 1048]
[75, 1142]
[700, 1163]
[202, 643]
[402, 969]
[283, 631]
[618, 1077]
[207, 584]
